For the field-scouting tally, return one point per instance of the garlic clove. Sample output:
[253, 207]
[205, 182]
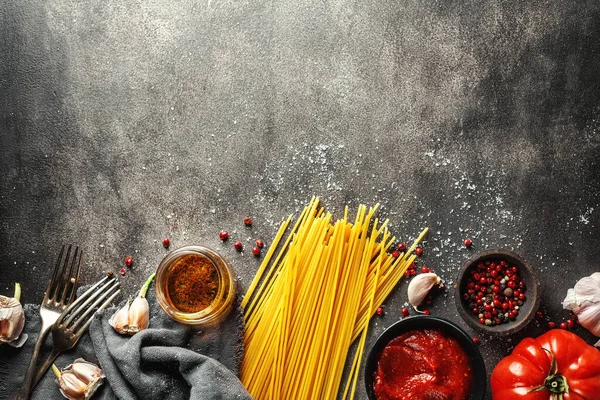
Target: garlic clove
[420, 286]
[588, 289]
[588, 315]
[135, 317]
[139, 314]
[120, 319]
[570, 301]
[71, 386]
[79, 380]
[584, 301]
[12, 319]
[85, 370]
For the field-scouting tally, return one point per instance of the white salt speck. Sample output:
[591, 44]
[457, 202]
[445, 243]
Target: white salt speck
[585, 217]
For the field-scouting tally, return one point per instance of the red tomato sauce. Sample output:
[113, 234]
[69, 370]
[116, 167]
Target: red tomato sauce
[425, 365]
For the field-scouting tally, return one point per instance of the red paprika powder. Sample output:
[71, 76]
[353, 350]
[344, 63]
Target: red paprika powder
[193, 283]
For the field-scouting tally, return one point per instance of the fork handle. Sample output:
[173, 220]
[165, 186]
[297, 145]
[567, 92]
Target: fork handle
[26, 385]
[42, 370]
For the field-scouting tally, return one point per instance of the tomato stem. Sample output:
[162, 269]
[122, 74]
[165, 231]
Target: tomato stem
[555, 383]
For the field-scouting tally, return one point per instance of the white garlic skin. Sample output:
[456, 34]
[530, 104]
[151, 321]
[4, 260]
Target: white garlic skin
[584, 301]
[420, 286]
[132, 317]
[80, 380]
[12, 319]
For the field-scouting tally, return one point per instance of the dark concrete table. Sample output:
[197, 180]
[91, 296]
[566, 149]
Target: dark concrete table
[122, 122]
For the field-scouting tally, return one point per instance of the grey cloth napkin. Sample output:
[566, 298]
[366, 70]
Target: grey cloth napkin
[167, 361]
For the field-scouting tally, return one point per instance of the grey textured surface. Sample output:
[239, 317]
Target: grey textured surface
[122, 122]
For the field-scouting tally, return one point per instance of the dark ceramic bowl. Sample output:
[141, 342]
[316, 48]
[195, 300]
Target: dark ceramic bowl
[425, 322]
[532, 291]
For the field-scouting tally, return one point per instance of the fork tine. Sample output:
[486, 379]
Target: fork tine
[74, 288]
[54, 274]
[88, 299]
[102, 307]
[68, 283]
[60, 279]
[93, 306]
[81, 298]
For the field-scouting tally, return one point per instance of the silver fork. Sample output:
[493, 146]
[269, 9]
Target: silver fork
[60, 293]
[77, 318]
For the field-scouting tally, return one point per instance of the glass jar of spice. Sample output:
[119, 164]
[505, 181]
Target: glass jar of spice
[195, 286]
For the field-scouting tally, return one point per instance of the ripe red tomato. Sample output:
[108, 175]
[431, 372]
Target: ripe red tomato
[556, 365]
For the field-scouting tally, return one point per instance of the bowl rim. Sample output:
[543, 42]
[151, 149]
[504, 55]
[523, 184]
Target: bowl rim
[223, 300]
[429, 322]
[533, 287]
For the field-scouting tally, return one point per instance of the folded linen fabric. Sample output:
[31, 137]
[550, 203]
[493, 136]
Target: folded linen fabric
[167, 361]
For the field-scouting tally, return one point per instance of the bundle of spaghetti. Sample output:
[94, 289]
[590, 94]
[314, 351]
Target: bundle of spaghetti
[312, 298]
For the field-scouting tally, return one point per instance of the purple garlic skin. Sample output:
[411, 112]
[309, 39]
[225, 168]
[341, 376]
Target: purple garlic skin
[80, 380]
[12, 319]
[584, 301]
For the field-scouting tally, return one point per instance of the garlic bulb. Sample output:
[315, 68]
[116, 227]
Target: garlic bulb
[584, 301]
[79, 380]
[12, 319]
[420, 286]
[133, 317]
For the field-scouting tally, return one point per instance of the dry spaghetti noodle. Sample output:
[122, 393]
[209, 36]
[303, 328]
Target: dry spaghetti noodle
[311, 301]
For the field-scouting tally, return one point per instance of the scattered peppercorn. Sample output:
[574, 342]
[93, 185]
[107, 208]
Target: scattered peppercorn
[223, 235]
[426, 312]
[402, 247]
[110, 274]
[476, 340]
[404, 311]
[551, 325]
[260, 243]
[128, 261]
[166, 242]
[247, 221]
[570, 324]
[539, 315]
[419, 251]
[238, 246]
[468, 242]
[563, 325]
[424, 269]
[379, 311]
[256, 251]
[122, 271]
[395, 254]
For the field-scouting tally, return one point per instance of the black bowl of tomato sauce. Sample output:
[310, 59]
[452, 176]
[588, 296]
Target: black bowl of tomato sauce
[425, 357]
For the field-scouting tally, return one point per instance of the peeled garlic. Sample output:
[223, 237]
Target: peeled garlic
[584, 301]
[12, 319]
[420, 286]
[133, 317]
[79, 380]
